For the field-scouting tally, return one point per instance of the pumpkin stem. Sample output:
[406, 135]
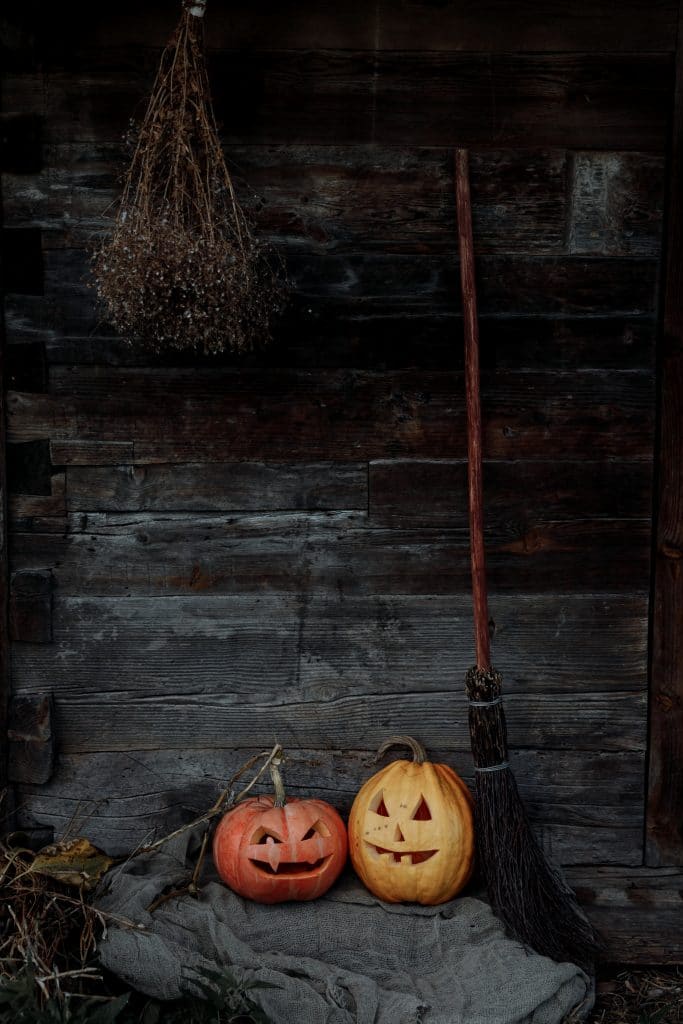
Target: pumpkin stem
[278, 784]
[419, 752]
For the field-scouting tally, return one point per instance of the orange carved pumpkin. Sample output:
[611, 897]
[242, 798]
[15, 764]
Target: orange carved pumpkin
[270, 849]
[411, 831]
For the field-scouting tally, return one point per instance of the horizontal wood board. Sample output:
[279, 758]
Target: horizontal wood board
[323, 647]
[586, 101]
[60, 40]
[166, 788]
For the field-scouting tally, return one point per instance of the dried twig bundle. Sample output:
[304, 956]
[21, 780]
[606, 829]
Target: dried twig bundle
[182, 268]
[42, 924]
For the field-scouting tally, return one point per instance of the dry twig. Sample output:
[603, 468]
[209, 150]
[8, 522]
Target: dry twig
[227, 799]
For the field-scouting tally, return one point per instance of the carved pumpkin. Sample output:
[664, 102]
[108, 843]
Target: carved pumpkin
[270, 849]
[411, 831]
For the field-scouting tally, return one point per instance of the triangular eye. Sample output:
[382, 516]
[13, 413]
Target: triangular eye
[378, 806]
[262, 836]
[319, 829]
[382, 809]
[422, 813]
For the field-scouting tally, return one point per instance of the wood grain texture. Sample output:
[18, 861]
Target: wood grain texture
[328, 334]
[161, 789]
[665, 809]
[552, 285]
[202, 415]
[389, 25]
[276, 546]
[32, 741]
[639, 911]
[317, 646]
[617, 202]
[25, 506]
[30, 607]
[167, 554]
[586, 101]
[229, 487]
[328, 199]
[422, 492]
[129, 720]
[334, 198]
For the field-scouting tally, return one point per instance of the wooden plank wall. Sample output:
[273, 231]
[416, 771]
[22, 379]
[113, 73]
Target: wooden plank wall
[209, 554]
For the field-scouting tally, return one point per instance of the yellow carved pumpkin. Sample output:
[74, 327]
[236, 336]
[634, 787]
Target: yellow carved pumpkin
[411, 830]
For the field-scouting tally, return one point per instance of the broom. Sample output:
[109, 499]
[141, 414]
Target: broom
[524, 889]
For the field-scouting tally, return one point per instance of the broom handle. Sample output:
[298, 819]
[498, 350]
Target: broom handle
[473, 409]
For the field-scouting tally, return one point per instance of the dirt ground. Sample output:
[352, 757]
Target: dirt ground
[646, 996]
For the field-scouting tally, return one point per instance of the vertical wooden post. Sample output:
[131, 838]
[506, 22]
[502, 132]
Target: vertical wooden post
[4, 573]
[664, 838]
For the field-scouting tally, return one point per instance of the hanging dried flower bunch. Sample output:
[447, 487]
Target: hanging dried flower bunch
[182, 268]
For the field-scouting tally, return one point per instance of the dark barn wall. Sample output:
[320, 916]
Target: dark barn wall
[208, 555]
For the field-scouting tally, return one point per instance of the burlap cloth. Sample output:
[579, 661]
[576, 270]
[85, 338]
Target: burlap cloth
[344, 959]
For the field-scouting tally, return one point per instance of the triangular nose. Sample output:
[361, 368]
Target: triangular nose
[398, 835]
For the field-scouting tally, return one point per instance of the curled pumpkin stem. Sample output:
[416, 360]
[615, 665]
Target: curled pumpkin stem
[419, 752]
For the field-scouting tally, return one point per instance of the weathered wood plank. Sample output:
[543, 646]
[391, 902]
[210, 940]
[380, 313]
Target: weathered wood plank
[328, 327]
[200, 415]
[326, 334]
[23, 506]
[588, 101]
[665, 802]
[313, 646]
[434, 492]
[32, 741]
[553, 25]
[581, 811]
[639, 911]
[91, 453]
[241, 486]
[402, 492]
[336, 198]
[665, 809]
[492, 26]
[124, 721]
[509, 284]
[615, 102]
[616, 204]
[30, 607]
[111, 554]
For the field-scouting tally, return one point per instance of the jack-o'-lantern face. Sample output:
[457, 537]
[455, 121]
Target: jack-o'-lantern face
[274, 850]
[391, 834]
[271, 854]
[411, 833]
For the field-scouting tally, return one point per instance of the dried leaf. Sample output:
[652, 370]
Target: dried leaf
[76, 862]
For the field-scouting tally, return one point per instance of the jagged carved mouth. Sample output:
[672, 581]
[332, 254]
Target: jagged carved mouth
[286, 868]
[401, 857]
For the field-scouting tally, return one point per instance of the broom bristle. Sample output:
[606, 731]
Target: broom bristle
[525, 890]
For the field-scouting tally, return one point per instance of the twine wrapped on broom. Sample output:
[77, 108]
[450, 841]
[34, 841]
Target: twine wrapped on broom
[182, 269]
